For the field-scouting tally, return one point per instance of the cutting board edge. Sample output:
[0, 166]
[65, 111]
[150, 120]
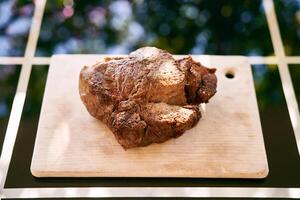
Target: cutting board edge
[258, 175]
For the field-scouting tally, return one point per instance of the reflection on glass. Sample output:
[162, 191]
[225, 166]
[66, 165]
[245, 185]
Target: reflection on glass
[268, 85]
[295, 74]
[182, 27]
[35, 92]
[9, 76]
[15, 21]
[288, 15]
[277, 130]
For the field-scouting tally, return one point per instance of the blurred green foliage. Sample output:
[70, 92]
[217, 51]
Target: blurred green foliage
[15, 21]
[35, 91]
[268, 86]
[179, 26]
[288, 15]
[295, 74]
[9, 76]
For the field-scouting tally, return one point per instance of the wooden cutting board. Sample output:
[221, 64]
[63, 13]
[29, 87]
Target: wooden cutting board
[227, 142]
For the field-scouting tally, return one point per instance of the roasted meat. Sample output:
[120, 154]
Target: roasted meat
[148, 96]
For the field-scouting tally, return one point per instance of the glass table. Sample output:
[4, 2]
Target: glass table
[266, 31]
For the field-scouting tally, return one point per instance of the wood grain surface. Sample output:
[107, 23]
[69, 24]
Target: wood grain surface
[226, 143]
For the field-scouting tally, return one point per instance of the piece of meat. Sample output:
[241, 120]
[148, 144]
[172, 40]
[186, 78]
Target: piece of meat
[201, 82]
[148, 96]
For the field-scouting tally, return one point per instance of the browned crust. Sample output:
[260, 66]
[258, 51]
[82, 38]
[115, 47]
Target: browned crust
[147, 97]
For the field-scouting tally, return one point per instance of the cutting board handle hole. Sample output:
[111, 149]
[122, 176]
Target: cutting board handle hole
[229, 74]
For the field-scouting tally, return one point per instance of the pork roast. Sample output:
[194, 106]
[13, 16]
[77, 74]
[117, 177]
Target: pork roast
[148, 96]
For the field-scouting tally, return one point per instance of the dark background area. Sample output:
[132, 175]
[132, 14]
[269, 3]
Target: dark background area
[288, 16]
[9, 76]
[295, 75]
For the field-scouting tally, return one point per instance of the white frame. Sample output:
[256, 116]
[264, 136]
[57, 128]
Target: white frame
[29, 59]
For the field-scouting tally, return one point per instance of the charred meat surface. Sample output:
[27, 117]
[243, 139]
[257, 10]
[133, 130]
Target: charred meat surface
[148, 96]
